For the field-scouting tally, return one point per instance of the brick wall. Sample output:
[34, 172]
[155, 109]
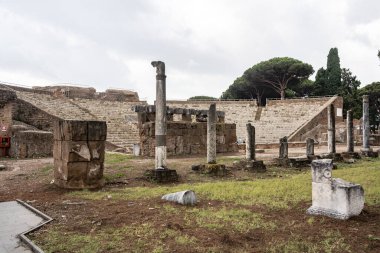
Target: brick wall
[188, 138]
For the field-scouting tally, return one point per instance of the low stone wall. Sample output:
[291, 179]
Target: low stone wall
[31, 144]
[188, 138]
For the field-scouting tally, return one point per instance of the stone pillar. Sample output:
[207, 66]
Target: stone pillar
[309, 147]
[160, 126]
[79, 148]
[211, 134]
[283, 147]
[250, 143]
[331, 129]
[350, 132]
[366, 131]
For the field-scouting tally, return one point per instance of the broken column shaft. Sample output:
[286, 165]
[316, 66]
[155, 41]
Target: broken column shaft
[250, 143]
[283, 147]
[331, 129]
[366, 131]
[160, 126]
[211, 134]
[309, 147]
[350, 132]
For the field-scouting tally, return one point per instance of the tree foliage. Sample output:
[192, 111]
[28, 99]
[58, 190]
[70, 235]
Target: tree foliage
[350, 93]
[334, 71]
[328, 81]
[279, 73]
[373, 91]
[202, 98]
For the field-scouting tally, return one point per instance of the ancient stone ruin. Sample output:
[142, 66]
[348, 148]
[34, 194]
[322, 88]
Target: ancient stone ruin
[186, 131]
[333, 197]
[366, 149]
[79, 148]
[250, 163]
[161, 173]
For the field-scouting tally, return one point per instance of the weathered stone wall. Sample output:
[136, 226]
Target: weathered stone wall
[316, 128]
[68, 91]
[7, 99]
[79, 148]
[32, 115]
[188, 138]
[31, 144]
[118, 95]
[236, 112]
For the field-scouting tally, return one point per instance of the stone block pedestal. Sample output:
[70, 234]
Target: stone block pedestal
[79, 148]
[334, 197]
[162, 175]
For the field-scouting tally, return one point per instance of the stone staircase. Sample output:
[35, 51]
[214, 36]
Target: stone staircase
[122, 128]
[281, 118]
[60, 107]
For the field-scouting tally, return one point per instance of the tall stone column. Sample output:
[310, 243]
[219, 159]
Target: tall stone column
[350, 132]
[331, 129]
[160, 126]
[309, 147]
[211, 134]
[250, 153]
[366, 131]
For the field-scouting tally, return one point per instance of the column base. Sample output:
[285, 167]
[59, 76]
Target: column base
[211, 169]
[252, 166]
[161, 175]
[368, 152]
[349, 156]
[336, 157]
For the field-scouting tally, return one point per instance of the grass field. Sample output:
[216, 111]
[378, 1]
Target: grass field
[257, 214]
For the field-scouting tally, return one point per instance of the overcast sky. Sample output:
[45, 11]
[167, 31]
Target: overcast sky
[205, 44]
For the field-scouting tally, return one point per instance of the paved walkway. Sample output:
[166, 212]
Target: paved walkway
[15, 219]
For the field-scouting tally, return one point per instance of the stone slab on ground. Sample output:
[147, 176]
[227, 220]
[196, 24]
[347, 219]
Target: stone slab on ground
[14, 220]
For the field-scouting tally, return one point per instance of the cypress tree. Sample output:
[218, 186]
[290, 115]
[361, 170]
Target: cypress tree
[333, 72]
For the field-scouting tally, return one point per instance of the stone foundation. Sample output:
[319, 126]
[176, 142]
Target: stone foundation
[336, 157]
[188, 138]
[79, 148]
[161, 175]
[369, 153]
[252, 166]
[211, 169]
[350, 155]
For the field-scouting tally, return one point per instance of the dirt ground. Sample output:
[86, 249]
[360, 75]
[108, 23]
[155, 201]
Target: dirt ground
[30, 181]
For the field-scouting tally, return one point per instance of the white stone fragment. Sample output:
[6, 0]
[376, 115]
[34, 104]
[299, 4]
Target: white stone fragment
[332, 197]
[186, 197]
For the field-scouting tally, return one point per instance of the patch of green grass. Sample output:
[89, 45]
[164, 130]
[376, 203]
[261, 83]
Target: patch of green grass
[114, 158]
[240, 220]
[114, 176]
[331, 241]
[47, 169]
[276, 193]
[185, 240]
